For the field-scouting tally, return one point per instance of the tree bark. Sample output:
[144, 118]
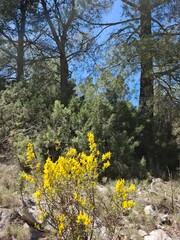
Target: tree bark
[60, 41]
[64, 72]
[146, 98]
[147, 78]
[21, 34]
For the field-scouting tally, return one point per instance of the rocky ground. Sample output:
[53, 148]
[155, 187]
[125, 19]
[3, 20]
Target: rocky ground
[156, 215]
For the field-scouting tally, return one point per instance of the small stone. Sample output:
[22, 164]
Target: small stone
[26, 226]
[159, 226]
[150, 210]
[133, 237]
[142, 233]
[165, 219]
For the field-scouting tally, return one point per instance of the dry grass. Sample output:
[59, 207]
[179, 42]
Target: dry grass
[9, 196]
[18, 232]
[164, 196]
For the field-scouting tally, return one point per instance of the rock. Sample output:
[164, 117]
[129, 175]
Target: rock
[35, 212]
[157, 184]
[101, 233]
[150, 210]
[133, 237]
[142, 233]
[135, 212]
[156, 181]
[6, 216]
[26, 227]
[26, 215]
[159, 226]
[139, 191]
[165, 219]
[33, 233]
[102, 189]
[158, 234]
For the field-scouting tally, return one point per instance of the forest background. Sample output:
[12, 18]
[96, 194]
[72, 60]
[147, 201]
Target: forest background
[65, 70]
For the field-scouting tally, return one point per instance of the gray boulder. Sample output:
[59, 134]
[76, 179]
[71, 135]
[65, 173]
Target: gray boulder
[158, 234]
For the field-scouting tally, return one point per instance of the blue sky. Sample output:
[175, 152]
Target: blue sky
[115, 15]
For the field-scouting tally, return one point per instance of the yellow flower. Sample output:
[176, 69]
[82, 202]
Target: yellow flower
[61, 225]
[119, 186]
[72, 152]
[132, 188]
[98, 152]
[106, 165]
[122, 193]
[37, 194]
[106, 156]
[28, 178]
[84, 219]
[38, 165]
[61, 228]
[128, 204]
[30, 152]
[92, 144]
[76, 195]
[48, 173]
[80, 200]
[41, 217]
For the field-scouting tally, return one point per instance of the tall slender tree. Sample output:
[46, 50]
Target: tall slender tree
[156, 39]
[13, 21]
[21, 25]
[147, 43]
[70, 31]
[152, 30]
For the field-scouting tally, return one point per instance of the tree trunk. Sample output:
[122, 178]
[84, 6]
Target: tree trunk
[64, 75]
[60, 42]
[64, 71]
[21, 33]
[146, 106]
[147, 79]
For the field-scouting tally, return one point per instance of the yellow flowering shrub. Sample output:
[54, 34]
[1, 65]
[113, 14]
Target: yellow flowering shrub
[122, 193]
[30, 152]
[66, 190]
[84, 219]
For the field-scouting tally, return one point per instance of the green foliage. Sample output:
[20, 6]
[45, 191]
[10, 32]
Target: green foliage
[25, 107]
[56, 136]
[113, 122]
[32, 111]
[163, 152]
